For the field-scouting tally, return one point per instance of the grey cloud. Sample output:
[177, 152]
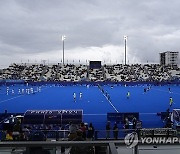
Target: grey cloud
[35, 26]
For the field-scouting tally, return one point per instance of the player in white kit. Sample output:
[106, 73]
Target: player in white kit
[74, 96]
[80, 95]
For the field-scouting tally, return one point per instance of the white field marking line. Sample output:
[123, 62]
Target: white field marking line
[109, 102]
[122, 112]
[166, 91]
[95, 114]
[20, 96]
[11, 98]
[175, 93]
[148, 113]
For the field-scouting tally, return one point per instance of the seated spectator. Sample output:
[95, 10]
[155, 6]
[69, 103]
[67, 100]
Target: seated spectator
[83, 129]
[26, 131]
[78, 149]
[72, 131]
[2, 135]
[9, 136]
[79, 136]
[16, 131]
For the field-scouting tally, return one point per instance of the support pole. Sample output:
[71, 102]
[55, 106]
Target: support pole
[63, 51]
[125, 51]
[125, 44]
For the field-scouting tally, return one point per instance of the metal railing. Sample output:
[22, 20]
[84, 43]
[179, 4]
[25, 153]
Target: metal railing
[94, 147]
[59, 140]
[29, 146]
[100, 134]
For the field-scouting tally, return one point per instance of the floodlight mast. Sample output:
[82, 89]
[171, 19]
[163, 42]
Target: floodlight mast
[125, 43]
[63, 38]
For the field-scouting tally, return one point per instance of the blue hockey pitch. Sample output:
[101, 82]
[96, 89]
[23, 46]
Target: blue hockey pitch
[94, 104]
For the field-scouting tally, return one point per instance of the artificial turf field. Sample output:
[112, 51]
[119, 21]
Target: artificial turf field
[94, 104]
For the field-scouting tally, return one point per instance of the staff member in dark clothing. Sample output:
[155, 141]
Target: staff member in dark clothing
[126, 123]
[108, 128]
[115, 131]
[134, 122]
[90, 133]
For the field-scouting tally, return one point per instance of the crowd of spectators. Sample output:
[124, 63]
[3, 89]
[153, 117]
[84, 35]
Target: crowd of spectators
[16, 130]
[13, 128]
[139, 72]
[77, 73]
[96, 74]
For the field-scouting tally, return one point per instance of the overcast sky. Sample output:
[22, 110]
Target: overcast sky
[31, 30]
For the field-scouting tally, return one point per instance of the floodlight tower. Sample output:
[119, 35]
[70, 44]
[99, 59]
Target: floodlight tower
[63, 38]
[125, 43]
